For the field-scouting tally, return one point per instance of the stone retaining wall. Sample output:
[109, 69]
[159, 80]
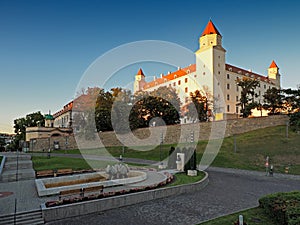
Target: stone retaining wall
[174, 134]
[99, 205]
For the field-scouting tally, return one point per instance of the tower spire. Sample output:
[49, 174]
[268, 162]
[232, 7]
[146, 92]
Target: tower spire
[273, 65]
[210, 29]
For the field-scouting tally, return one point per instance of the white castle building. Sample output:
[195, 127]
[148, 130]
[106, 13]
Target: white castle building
[213, 76]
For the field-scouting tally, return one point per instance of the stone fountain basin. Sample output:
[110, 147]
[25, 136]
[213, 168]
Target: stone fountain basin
[133, 177]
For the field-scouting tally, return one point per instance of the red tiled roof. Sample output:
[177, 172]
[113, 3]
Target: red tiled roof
[210, 29]
[247, 73]
[66, 108]
[273, 65]
[171, 76]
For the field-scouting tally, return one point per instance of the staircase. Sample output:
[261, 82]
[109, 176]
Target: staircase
[17, 167]
[31, 217]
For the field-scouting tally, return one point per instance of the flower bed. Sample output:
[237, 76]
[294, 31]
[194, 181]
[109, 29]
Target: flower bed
[71, 200]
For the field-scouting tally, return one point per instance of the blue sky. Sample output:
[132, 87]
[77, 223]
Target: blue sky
[46, 46]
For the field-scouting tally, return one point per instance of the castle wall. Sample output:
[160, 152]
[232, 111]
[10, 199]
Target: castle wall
[174, 134]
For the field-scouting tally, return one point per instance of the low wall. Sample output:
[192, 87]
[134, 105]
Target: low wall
[93, 206]
[175, 133]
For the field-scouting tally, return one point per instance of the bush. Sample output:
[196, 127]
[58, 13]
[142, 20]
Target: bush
[283, 207]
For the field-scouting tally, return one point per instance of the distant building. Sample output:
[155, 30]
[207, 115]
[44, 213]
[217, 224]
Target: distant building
[212, 75]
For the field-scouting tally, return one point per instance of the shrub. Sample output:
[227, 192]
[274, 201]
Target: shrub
[283, 207]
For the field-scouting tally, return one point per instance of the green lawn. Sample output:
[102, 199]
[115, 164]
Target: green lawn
[255, 216]
[43, 163]
[182, 178]
[252, 149]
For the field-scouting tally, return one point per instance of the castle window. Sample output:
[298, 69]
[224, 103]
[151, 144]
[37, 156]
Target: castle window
[179, 82]
[259, 93]
[185, 80]
[186, 90]
[228, 97]
[228, 108]
[219, 58]
[265, 86]
[237, 98]
[188, 71]
[219, 72]
[228, 86]
[237, 109]
[203, 73]
[228, 76]
[174, 84]
[195, 75]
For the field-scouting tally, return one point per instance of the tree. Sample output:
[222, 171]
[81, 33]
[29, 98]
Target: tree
[161, 104]
[292, 98]
[273, 100]
[200, 104]
[103, 111]
[247, 102]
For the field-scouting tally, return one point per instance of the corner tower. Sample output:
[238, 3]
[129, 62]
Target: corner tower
[210, 66]
[139, 81]
[273, 74]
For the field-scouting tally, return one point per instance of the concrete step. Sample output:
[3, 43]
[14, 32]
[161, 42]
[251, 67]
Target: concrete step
[31, 217]
[22, 164]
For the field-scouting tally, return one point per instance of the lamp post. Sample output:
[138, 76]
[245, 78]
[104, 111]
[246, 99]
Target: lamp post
[161, 141]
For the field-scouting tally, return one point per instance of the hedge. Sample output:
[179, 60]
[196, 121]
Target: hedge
[283, 207]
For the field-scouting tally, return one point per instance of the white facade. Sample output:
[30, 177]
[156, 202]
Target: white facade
[212, 76]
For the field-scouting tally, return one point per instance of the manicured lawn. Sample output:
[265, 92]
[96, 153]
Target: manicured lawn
[255, 216]
[182, 178]
[253, 147]
[43, 163]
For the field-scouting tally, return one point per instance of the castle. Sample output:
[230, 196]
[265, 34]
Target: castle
[213, 76]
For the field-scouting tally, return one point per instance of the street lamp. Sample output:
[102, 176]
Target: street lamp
[161, 141]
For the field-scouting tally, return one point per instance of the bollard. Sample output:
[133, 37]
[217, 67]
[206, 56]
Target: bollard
[241, 220]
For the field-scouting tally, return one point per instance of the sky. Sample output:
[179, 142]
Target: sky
[46, 46]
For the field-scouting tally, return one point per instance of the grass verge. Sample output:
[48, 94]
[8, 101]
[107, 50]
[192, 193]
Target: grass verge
[255, 216]
[182, 178]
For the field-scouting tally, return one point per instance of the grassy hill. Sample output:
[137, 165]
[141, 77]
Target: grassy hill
[252, 148]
